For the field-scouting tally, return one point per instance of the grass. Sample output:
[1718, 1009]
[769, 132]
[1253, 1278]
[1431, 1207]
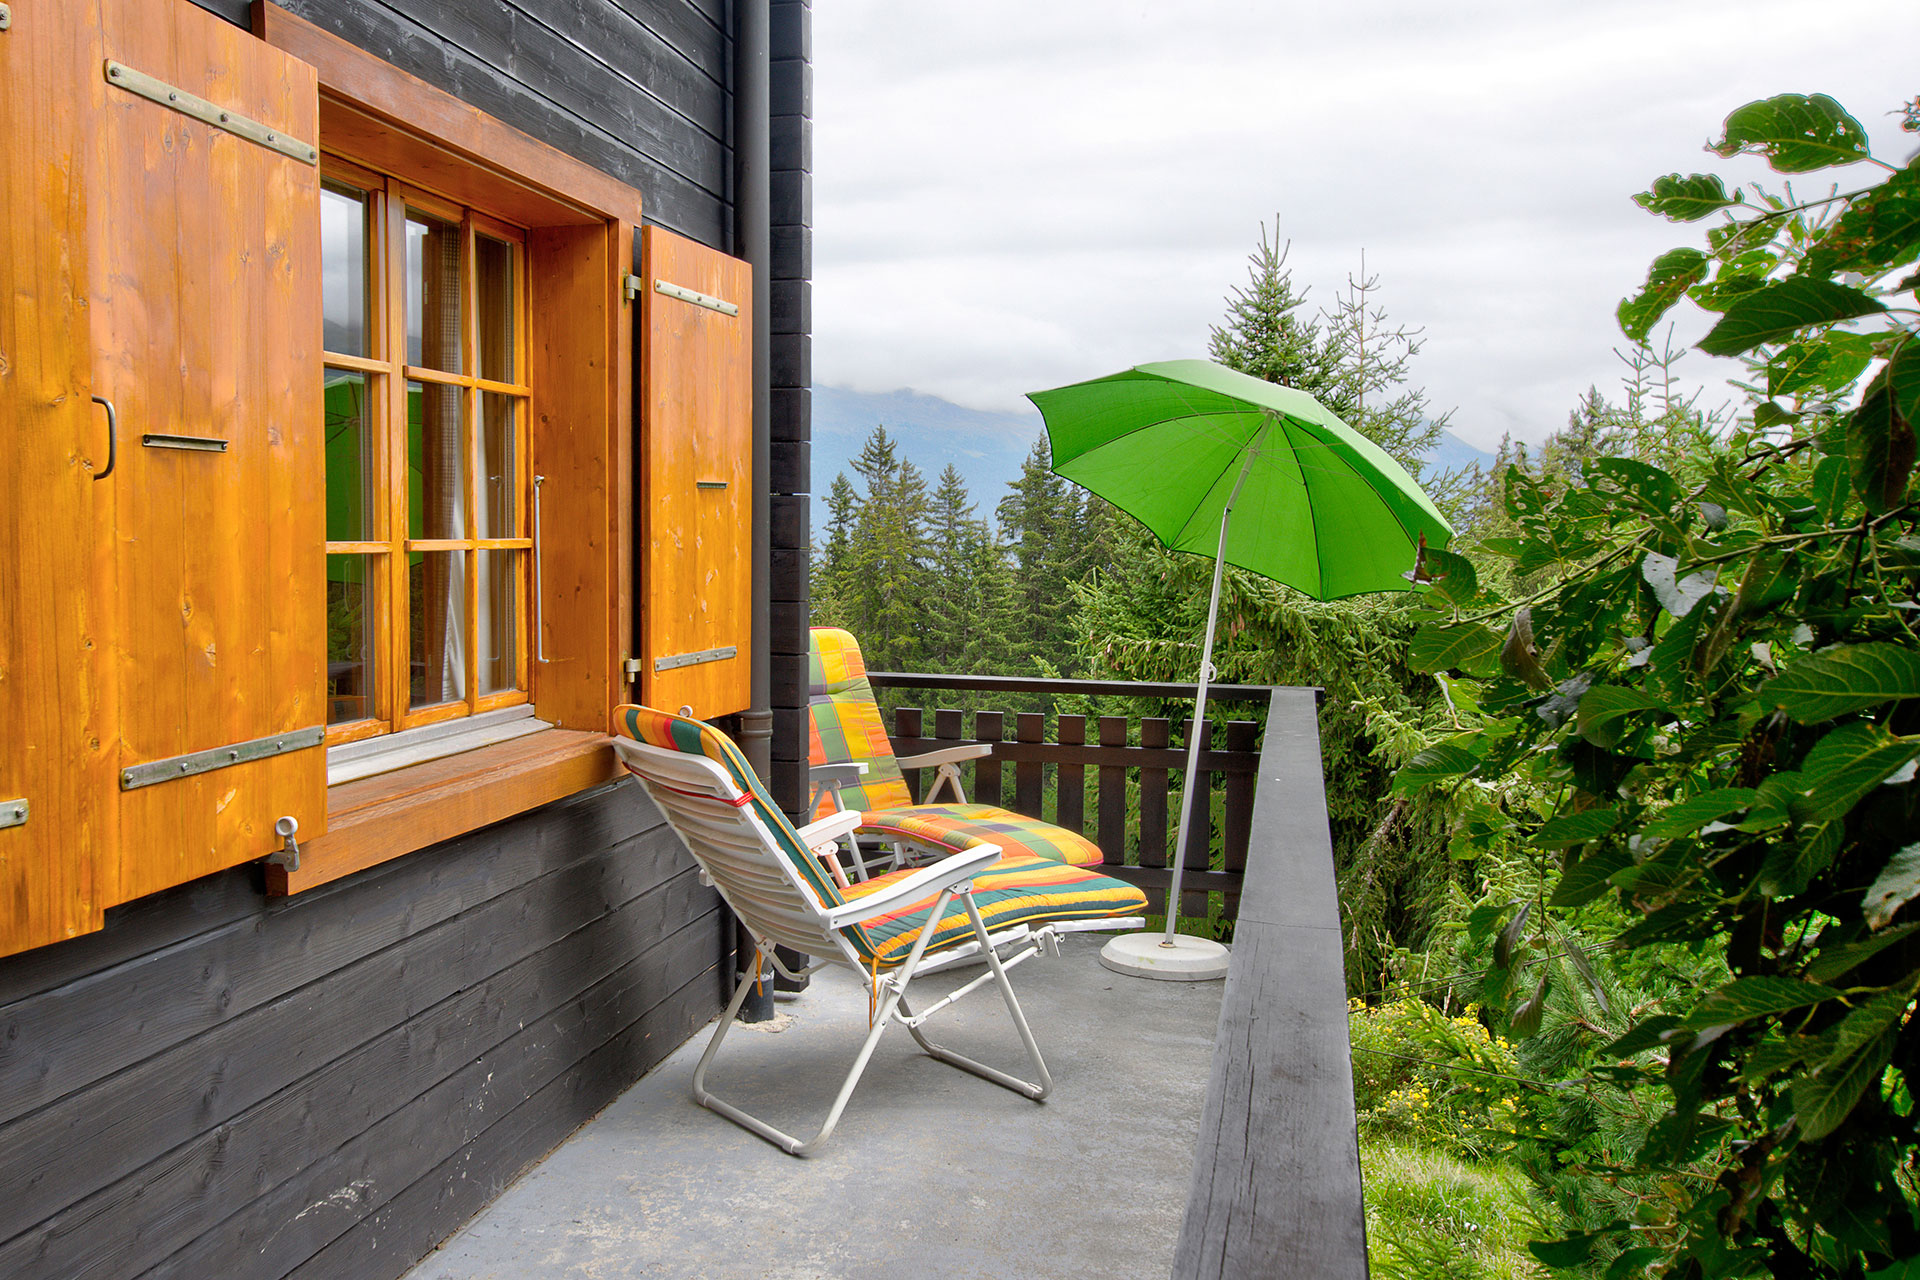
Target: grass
[1433, 1217]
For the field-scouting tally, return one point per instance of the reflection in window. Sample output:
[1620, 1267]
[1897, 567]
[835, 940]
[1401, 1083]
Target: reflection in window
[497, 465]
[343, 269]
[351, 496]
[433, 293]
[436, 462]
[496, 645]
[437, 630]
[350, 651]
[493, 279]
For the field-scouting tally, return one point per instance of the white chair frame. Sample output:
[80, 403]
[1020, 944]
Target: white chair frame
[742, 858]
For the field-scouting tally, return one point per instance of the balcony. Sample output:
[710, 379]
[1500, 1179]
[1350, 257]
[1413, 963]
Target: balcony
[1195, 1129]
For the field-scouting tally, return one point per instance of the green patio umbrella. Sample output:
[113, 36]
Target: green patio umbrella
[1181, 446]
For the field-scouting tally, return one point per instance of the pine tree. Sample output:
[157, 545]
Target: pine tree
[886, 577]
[1264, 335]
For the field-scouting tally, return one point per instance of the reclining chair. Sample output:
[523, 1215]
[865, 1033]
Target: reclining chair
[889, 929]
[853, 767]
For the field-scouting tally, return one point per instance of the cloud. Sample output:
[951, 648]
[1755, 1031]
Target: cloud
[1011, 196]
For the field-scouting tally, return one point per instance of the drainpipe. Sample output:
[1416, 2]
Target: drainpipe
[752, 216]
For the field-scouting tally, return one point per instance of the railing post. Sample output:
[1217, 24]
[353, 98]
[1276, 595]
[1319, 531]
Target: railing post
[1029, 776]
[1237, 820]
[1199, 841]
[1113, 795]
[1153, 807]
[906, 724]
[1070, 779]
[988, 726]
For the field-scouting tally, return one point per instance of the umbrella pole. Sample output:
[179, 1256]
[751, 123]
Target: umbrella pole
[1198, 733]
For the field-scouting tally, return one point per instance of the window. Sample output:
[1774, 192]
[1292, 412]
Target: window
[428, 492]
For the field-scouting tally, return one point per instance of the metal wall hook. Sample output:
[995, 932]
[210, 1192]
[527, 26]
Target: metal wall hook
[113, 435]
[289, 854]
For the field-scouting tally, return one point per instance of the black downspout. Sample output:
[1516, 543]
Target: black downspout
[752, 215]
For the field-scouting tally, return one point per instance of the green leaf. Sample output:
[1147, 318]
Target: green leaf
[1827, 367]
[1870, 1019]
[1668, 279]
[1797, 133]
[1529, 1013]
[1831, 963]
[1452, 575]
[1649, 1033]
[1849, 678]
[1576, 828]
[1880, 446]
[1689, 815]
[1687, 199]
[1897, 884]
[1782, 309]
[1432, 765]
[1832, 486]
[1679, 596]
[1878, 229]
[1605, 706]
[1587, 879]
[1510, 937]
[1583, 965]
[1903, 375]
[1470, 647]
[1768, 414]
[1518, 657]
[1575, 1249]
[1794, 858]
[1846, 764]
[1823, 1100]
[1744, 999]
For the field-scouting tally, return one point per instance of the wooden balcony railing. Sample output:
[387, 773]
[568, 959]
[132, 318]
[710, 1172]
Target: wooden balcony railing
[1113, 778]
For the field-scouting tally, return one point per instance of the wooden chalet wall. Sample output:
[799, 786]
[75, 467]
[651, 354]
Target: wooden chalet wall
[222, 1084]
[792, 378]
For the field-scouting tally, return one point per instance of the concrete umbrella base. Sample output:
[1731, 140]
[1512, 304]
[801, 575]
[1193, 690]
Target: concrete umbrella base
[1148, 955]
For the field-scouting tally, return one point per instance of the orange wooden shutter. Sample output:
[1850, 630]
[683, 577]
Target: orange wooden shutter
[696, 500]
[57, 757]
[206, 329]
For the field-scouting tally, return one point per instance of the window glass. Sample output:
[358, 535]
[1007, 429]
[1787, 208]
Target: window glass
[493, 268]
[352, 498]
[350, 651]
[436, 462]
[343, 268]
[497, 644]
[437, 631]
[499, 482]
[433, 293]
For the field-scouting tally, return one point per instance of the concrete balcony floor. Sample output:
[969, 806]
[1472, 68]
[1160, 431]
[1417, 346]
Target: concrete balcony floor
[931, 1173]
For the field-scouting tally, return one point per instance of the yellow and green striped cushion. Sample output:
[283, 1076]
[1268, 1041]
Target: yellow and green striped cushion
[958, 827]
[844, 724]
[1019, 889]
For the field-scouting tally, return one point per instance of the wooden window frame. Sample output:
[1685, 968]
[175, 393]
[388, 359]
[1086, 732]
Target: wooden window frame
[389, 199]
[388, 122]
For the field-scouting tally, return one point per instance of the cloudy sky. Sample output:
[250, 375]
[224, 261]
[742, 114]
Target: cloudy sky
[1015, 194]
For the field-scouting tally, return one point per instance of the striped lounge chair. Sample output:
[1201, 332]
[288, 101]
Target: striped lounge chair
[853, 768]
[888, 929]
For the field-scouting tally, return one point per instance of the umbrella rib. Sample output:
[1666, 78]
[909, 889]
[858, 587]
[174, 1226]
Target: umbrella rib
[1231, 461]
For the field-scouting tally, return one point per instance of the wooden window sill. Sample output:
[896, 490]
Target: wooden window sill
[373, 820]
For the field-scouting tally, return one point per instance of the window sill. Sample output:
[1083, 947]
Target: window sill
[373, 820]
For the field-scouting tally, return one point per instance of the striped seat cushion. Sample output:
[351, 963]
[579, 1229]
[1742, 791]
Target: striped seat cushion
[843, 724]
[1018, 889]
[957, 827]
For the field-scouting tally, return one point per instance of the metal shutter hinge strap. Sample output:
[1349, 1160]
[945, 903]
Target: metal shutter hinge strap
[13, 813]
[145, 775]
[695, 659]
[187, 104]
[697, 298]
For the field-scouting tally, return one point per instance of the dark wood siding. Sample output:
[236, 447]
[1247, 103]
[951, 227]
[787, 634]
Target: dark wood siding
[221, 1085]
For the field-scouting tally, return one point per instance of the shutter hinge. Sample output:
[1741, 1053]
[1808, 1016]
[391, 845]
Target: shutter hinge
[13, 813]
[6, 17]
[632, 284]
[632, 666]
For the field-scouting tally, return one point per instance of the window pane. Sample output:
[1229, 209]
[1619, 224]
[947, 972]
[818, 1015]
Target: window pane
[436, 626]
[433, 292]
[350, 639]
[436, 462]
[343, 268]
[498, 644]
[493, 280]
[351, 499]
[499, 463]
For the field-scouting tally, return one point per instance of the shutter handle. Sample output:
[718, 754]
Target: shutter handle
[539, 632]
[289, 853]
[113, 435]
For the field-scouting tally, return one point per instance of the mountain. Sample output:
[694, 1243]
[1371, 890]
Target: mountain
[986, 446]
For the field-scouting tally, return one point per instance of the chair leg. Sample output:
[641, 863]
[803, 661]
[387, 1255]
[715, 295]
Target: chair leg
[1037, 1090]
[786, 1141]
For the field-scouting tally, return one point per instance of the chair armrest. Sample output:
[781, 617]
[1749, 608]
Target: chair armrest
[831, 827]
[950, 870]
[836, 775]
[946, 755]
